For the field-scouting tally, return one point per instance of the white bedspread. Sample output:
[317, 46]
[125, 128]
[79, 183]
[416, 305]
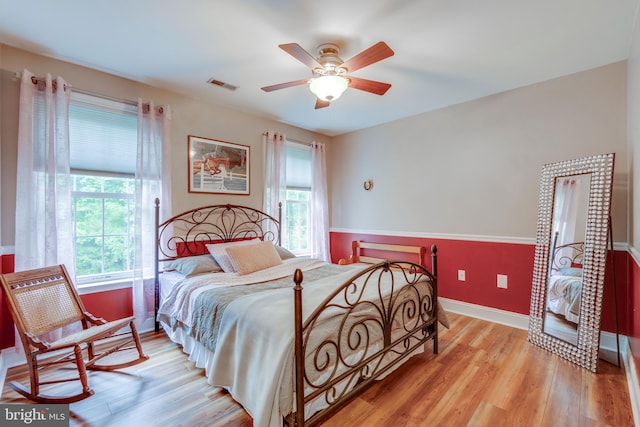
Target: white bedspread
[255, 354]
[254, 351]
[564, 296]
[179, 302]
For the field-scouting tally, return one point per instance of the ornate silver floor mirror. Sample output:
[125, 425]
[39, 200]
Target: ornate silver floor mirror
[570, 258]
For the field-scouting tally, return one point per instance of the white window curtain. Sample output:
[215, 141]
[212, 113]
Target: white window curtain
[153, 180]
[275, 175]
[44, 233]
[565, 210]
[319, 203]
[565, 213]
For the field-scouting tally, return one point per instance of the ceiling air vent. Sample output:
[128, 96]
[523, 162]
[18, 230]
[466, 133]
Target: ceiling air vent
[221, 84]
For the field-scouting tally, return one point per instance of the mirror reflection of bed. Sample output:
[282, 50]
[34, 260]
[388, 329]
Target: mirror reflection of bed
[564, 291]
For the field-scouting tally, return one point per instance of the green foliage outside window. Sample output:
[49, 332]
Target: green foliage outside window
[296, 233]
[102, 209]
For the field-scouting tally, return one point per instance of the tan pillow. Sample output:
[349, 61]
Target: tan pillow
[219, 252]
[250, 258]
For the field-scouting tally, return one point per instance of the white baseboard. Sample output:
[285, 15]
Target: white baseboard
[9, 357]
[147, 326]
[608, 342]
[3, 372]
[13, 357]
[632, 382]
[515, 320]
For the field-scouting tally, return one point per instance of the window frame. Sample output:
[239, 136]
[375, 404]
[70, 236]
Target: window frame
[289, 202]
[103, 280]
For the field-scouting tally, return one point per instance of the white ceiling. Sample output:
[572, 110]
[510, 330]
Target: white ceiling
[446, 51]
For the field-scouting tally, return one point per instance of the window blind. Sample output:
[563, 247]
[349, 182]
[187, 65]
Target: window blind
[298, 166]
[103, 135]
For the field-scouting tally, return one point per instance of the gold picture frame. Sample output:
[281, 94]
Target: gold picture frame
[218, 167]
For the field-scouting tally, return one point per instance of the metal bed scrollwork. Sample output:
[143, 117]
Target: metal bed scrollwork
[382, 328]
[566, 256]
[565, 282]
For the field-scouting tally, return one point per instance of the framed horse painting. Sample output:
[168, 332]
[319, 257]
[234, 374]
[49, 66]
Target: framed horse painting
[218, 166]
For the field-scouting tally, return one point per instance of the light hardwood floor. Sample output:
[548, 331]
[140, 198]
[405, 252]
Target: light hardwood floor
[485, 375]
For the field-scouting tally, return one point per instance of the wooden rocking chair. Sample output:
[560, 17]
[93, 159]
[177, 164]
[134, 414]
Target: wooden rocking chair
[43, 300]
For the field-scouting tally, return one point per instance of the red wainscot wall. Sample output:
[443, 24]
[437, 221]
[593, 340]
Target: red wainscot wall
[6, 323]
[110, 305]
[482, 262]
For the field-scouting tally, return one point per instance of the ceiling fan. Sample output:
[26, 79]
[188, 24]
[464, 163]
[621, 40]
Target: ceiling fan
[331, 75]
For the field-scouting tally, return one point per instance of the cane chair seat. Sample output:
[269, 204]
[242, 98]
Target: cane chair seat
[44, 300]
[91, 334]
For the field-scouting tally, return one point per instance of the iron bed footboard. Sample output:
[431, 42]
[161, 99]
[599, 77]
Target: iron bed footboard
[404, 317]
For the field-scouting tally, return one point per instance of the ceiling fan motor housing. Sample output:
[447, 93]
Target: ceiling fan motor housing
[330, 61]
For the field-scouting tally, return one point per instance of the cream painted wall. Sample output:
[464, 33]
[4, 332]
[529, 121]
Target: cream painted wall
[189, 116]
[633, 83]
[633, 94]
[473, 169]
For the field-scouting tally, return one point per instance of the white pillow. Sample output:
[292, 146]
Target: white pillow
[194, 265]
[284, 252]
[219, 253]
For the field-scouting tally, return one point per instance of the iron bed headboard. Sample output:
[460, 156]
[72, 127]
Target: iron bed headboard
[566, 255]
[187, 233]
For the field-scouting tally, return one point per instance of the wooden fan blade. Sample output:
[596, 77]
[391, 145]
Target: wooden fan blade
[284, 85]
[295, 50]
[372, 86]
[375, 53]
[321, 104]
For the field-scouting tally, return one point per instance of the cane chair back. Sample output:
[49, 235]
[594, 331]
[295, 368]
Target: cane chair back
[33, 295]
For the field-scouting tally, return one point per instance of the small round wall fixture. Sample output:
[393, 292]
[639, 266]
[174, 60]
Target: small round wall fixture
[368, 184]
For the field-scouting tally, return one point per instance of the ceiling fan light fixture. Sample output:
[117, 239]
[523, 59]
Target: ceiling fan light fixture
[329, 87]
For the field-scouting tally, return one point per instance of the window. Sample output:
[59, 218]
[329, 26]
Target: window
[296, 231]
[102, 211]
[103, 139]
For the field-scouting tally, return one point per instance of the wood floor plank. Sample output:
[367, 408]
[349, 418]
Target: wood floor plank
[567, 382]
[533, 382]
[505, 388]
[485, 375]
[597, 392]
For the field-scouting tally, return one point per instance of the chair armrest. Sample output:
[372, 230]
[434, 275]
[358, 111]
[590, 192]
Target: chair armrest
[37, 342]
[93, 319]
